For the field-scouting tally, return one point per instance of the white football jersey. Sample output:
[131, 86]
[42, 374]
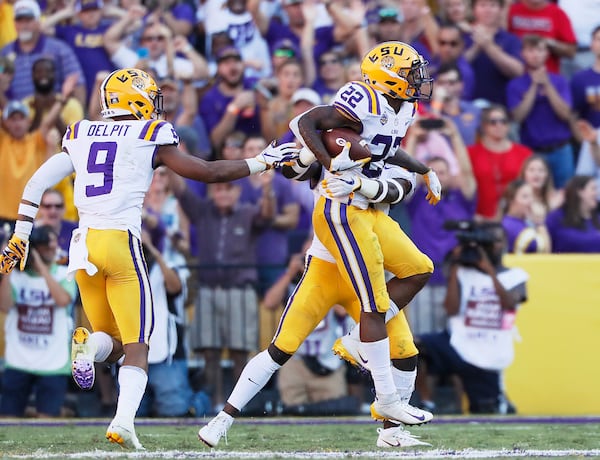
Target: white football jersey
[113, 167]
[383, 128]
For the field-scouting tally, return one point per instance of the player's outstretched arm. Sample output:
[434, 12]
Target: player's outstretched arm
[404, 159]
[50, 173]
[273, 156]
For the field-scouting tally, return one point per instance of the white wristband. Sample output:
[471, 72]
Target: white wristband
[306, 157]
[23, 229]
[28, 210]
[255, 166]
[370, 188]
[400, 191]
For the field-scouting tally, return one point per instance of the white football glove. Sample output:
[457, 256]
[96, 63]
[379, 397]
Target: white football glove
[343, 162]
[275, 156]
[434, 188]
[341, 186]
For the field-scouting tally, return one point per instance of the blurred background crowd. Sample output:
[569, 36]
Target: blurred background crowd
[511, 130]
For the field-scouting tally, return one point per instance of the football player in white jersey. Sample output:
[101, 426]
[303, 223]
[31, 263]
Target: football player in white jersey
[363, 240]
[114, 161]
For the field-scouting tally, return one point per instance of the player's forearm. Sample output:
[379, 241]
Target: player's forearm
[522, 110]
[307, 129]
[403, 159]
[50, 173]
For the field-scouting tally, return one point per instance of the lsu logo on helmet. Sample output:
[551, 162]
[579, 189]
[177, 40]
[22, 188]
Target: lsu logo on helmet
[130, 92]
[396, 69]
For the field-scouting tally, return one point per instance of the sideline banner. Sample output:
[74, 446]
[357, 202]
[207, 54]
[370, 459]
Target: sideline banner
[556, 370]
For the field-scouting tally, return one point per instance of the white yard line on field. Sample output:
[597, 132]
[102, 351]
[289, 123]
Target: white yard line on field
[404, 453]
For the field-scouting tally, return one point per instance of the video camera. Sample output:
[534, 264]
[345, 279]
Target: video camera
[471, 236]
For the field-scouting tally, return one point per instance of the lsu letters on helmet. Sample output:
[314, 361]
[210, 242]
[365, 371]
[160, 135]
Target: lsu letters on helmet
[396, 69]
[130, 92]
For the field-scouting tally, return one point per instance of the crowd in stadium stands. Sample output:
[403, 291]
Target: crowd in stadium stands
[512, 130]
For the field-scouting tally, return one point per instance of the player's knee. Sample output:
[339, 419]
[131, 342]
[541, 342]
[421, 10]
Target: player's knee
[405, 364]
[277, 355]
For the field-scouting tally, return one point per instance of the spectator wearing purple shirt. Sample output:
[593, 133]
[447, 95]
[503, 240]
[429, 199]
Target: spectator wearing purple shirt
[85, 35]
[428, 232]
[451, 47]
[585, 86]
[226, 305]
[301, 15]
[448, 102]
[541, 102]
[177, 15]
[331, 76]
[230, 104]
[575, 227]
[30, 45]
[493, 53]
[272, 248]
[523, 221]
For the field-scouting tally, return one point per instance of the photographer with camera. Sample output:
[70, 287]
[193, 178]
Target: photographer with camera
[38, 328]
[481, 301]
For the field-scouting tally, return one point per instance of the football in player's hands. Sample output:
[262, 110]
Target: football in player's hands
[335, 140]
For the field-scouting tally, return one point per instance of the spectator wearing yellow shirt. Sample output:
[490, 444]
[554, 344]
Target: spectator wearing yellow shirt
[44, 76]
[21, 152]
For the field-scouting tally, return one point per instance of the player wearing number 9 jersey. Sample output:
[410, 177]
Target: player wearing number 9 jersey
[114, 162]
[363, 240]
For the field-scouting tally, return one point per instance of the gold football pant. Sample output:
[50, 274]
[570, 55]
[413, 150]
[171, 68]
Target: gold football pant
[321, 287]
[117, 299]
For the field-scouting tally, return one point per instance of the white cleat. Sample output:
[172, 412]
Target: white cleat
[82, 359]
[398, 411]
[124, 436]
[397, 437]
[217, 428]
[347, 348]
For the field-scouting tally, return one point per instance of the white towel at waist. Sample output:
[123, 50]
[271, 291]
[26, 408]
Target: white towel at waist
[78, 254]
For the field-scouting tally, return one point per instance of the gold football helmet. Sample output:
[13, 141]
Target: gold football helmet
[396, 69]
[130, 92]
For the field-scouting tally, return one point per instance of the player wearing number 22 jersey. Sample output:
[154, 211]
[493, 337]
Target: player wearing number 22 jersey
[363, 240]
[114, 162]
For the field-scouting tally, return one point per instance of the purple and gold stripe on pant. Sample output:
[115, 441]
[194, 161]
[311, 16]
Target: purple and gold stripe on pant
[337, 219]
[146, 310]
[290, 300]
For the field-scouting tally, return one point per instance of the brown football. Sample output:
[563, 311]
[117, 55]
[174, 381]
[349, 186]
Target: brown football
[335, 139]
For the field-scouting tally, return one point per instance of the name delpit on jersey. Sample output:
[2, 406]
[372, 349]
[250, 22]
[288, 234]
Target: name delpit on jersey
[108, 130]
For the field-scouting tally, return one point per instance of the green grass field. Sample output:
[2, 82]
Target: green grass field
[305, 438]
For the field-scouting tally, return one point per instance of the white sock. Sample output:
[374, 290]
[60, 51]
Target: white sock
[377, 354]
[405, 383]
[104, 345]
[254, 377]
[132, 384]
[355, 332]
